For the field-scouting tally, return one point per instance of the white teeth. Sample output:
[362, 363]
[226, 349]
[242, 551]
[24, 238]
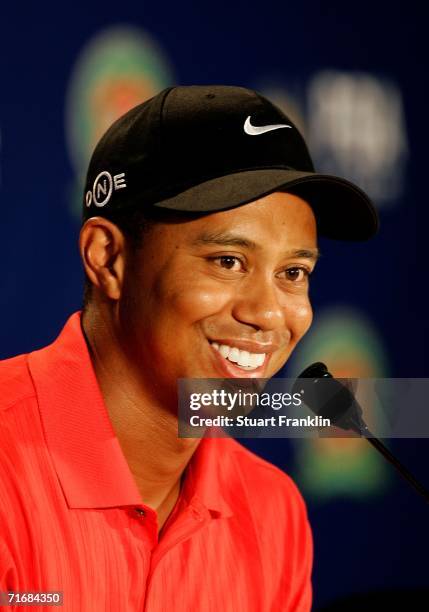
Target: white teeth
[253, 360]
[234, 354]
[260, 359]
[244, 359]
[224, 350]
[256, 359]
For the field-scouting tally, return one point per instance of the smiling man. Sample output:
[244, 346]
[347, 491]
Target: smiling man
[201, 215]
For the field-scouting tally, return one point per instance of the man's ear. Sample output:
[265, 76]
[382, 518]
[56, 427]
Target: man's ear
[102, 248]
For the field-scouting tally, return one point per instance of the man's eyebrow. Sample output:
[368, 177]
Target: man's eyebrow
[305, 253]
[228, 239]
[225, 239]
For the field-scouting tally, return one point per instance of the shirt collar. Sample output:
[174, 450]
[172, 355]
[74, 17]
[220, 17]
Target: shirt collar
[86, 453]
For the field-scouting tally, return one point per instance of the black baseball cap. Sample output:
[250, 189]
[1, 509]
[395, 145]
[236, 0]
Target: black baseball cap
[211, 148]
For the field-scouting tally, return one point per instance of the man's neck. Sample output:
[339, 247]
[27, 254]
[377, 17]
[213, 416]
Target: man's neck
[147, 432]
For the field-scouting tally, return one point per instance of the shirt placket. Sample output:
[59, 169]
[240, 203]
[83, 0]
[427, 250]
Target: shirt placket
[189, 522]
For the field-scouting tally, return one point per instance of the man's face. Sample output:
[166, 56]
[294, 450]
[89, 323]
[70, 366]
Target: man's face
[224, 295]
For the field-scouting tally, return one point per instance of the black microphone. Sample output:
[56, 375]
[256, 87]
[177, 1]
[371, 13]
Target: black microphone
[333, 400]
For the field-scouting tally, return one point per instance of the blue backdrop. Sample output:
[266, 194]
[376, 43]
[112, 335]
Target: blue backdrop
[355, 78]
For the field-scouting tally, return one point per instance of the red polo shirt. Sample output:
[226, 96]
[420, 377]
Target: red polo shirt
[72, 519]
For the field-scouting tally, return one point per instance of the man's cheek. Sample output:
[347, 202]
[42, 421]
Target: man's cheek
[301, 317]
[299, 321]
[196, 303]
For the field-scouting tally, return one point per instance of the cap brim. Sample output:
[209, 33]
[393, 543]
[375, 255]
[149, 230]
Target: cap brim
[342, 210]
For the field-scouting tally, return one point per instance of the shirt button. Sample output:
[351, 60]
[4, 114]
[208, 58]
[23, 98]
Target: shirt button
[197, 515]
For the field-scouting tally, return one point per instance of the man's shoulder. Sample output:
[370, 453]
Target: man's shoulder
[15, 381]
[18, 426]
[266, 485]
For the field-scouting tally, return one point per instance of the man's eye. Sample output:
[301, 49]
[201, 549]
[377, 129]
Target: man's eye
[229, 262]
[296, 274]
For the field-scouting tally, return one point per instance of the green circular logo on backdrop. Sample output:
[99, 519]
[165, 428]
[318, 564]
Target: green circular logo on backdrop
[351, 347]
[344, 339]
[119, 68]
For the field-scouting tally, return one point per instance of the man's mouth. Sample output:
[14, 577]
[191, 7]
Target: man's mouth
[245, 360]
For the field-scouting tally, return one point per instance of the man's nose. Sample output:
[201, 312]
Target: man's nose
[260, 303]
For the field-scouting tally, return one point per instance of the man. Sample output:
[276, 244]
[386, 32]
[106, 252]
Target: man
[201, 212]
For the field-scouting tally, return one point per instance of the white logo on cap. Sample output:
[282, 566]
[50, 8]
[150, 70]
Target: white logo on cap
[255, 130]
[103, 187]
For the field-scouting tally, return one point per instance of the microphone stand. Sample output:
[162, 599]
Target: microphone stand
[376, 443]
[347, 414]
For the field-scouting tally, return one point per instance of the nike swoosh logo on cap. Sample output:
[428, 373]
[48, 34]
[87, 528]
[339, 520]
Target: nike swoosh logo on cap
[255, 130]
